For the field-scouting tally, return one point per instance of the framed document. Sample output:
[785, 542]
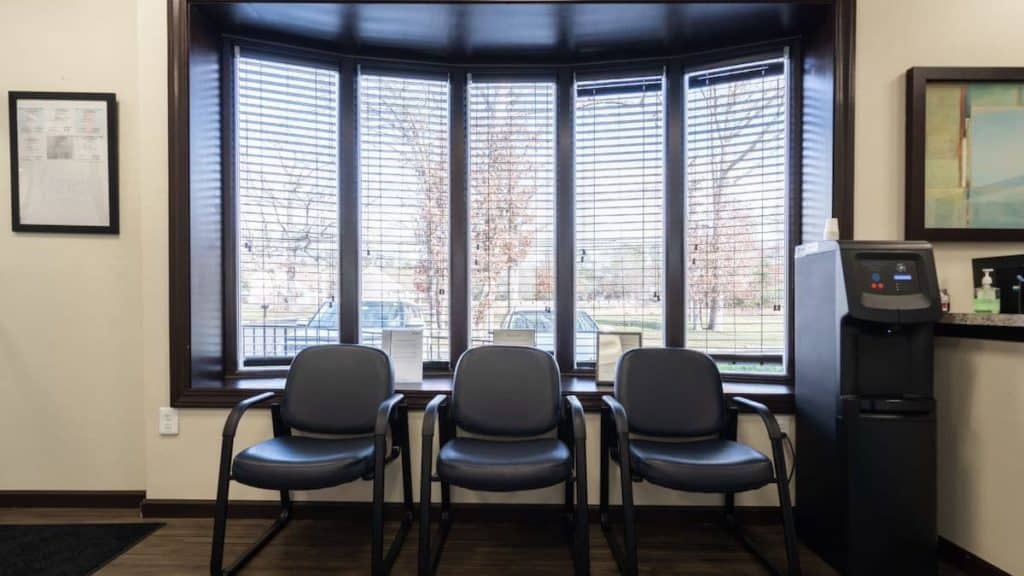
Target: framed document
[63, 162]
[404, 346]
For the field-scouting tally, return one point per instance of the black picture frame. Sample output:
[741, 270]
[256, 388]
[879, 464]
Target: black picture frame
[918, 79]
[113, 226]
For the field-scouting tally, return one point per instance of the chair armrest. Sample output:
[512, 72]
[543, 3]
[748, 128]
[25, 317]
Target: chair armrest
[384, 412]
[618, 413]
[774, 432]
[430, 415]
[231, 424]
[579, 423]
[427, 449]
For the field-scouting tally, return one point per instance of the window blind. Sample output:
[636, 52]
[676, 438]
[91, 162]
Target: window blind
[736, 140]
[619, 141]
[512, 207]
[404, 208]
[287, 206]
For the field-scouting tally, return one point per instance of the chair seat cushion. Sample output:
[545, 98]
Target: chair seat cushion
[703, 466]
[304, 463]
[502, 466]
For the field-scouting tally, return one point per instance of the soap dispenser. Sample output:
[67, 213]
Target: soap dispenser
[986, 296]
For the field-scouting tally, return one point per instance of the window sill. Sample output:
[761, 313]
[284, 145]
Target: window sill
[777, 396]
[1006, 327]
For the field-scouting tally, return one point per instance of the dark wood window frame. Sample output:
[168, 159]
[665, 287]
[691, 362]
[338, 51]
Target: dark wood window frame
[233, 383]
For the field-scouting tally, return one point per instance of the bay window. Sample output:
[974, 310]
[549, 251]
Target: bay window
[450, 195]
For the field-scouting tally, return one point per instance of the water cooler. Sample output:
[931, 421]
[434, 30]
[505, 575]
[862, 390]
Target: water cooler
[866, 493]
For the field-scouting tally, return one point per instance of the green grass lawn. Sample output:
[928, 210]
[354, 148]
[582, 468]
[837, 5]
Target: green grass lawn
[738, 331]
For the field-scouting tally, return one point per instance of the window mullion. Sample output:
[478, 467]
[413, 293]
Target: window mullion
[459, 213]
[565, 223]
[675, 209]
[348, 205]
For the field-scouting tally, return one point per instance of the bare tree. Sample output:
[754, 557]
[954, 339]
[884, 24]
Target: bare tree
[410, 136]
[502, 238]
[502, 193]
[292, 241]
[718, 254]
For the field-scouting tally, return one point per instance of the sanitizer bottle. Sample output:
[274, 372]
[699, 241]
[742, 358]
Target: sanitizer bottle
[986, 296]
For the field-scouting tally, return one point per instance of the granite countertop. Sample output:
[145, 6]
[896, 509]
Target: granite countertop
[975, 319]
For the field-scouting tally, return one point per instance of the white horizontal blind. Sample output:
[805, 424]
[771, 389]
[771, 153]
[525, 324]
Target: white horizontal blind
[619, 134]
[512, 209]
[736, 140]
[404, 208]
[287, 203]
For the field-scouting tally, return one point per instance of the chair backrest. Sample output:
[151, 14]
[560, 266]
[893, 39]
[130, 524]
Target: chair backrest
[670, 392]
[337, 389]
[506, 391]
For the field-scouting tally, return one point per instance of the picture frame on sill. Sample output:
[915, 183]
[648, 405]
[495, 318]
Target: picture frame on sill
[610, 347]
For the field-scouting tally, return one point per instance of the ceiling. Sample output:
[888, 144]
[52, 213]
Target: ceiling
[519, 32]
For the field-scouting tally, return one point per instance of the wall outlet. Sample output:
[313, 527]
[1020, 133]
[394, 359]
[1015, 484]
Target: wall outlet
[168, 421]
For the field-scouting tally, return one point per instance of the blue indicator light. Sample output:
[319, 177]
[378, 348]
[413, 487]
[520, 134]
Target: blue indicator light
[875, 277]
[902, 277]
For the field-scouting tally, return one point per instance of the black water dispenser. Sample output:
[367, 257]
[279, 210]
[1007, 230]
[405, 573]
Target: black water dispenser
[866, 488]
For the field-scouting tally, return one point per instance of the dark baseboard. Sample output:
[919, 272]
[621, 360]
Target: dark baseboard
[966, 561]
[155, 508]
[72, 498]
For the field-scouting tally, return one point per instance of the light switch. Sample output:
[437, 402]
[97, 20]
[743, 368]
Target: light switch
[168, 421]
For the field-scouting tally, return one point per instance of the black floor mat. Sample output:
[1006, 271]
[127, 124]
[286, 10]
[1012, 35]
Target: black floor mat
[65, 549]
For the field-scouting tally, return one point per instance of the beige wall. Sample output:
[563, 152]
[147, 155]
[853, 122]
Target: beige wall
[979, 385]
[83, 334]
[71, 312]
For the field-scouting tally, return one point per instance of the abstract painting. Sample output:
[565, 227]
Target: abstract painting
[973, 159]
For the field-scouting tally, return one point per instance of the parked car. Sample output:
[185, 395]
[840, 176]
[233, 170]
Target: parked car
[543, 323]
[374, 317]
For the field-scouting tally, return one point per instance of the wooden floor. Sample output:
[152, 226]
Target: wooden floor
[533, 547]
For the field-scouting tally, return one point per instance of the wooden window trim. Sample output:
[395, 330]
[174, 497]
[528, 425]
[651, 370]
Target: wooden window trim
[198, 386]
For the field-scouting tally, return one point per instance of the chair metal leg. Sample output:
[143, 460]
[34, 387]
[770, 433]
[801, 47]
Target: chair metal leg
[625, 556]
[628, 520]
[220, 525]
[786, 508]
[581, 547]
[381, 562]
[220, 518]
[430, 556]
[377, 546]
[604, 488]
[568, 500]
[789, 529]
[426, 472]
[410, 509]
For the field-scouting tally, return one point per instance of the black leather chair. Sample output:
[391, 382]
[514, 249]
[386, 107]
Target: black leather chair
[510, 395]
[336, 390]
[672, 398]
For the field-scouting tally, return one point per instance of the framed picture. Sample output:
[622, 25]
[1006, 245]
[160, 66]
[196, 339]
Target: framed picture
[965, 154]
[63, 162]
[610, 347]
